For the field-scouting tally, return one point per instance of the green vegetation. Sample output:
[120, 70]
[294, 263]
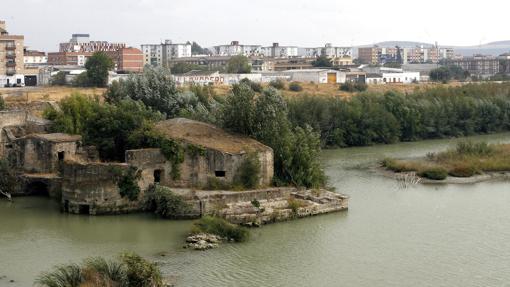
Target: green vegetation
[59, 79]
[435, 173]
[129, 270]
[248, 173]
[219, 226]
[465, 160]
[113, 128]
[294, 204]
[353, 87]
[81, 80]
[278, 84]
[2, 104]
[295, 87]
[165, 203]
[127, 184]
[239, 65]
[156, 90]
[98, 66]
[256, 87]
[374, 118]
[445, 74]
[196, 49]
[265, 118]
[322, 62]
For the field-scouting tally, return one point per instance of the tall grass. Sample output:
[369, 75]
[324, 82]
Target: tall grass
[464, 160]
[130, 270]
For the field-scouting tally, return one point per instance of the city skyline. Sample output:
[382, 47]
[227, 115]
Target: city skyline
[343, 24]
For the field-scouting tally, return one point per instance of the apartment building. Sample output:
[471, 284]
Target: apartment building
[277, 51]
[161, 54]
[479, 65]
[34, 58]
[408, 55]
[234, 49]
[82, 43]
[11, 58]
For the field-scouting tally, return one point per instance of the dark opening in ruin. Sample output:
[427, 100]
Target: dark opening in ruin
[84, 209]
[61, 156]
[219, 173]
[157, 176]
[37, 188]
[66, 205]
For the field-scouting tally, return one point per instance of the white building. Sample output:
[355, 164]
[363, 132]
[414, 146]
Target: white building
[160, 54]
[34, 58]
[318, 76]
[392, 78]
[328, 50]
[277, 51]
[235, 49]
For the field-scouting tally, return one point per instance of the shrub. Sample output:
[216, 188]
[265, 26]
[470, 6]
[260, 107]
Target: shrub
[130, 270]
[463, 171]
[2, 103]
[256, 87]
[435, 173]
[295, 87]
[140, 272]
[219, 226]
[165, 203]
[470, 148]
[353, 87]
[278, 84]
[61, 276]
[294, 204]
[214, 183]
[127, 183]
[248, 174]
[81, 80]
[59, 79]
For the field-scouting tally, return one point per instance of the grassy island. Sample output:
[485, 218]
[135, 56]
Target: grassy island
[467, 159]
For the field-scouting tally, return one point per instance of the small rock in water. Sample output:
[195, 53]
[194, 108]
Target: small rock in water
[202, 241]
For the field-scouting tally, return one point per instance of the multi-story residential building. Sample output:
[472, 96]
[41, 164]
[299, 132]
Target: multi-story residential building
[82, 43]
[369, 55]
[11, 58]
[277, 51]
[161, 54]
[125, 59]
[412, 55]
[235, 49]
[80, 48]
[478, 65]
[34, 58]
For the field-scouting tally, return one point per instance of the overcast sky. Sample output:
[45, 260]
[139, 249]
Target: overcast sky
[45, 23]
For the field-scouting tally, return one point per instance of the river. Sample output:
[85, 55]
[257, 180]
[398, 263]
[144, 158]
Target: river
[426, 235]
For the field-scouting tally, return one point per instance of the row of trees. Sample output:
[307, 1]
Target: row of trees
[391, 117]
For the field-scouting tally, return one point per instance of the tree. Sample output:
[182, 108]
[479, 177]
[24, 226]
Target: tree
[59, 79]
[322, 62]
[238, 112]
[441, 74]
[156, 89]
[239, 65]
[98, 66]
[196, 49]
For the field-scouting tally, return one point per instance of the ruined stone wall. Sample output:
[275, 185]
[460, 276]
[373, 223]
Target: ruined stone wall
[9, 118]
[92, 189]
[36, 155]
[197, 168]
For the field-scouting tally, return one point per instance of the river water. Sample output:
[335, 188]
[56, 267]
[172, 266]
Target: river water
[426, 235]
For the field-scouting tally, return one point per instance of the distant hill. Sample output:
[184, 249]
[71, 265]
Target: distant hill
[493, 48]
